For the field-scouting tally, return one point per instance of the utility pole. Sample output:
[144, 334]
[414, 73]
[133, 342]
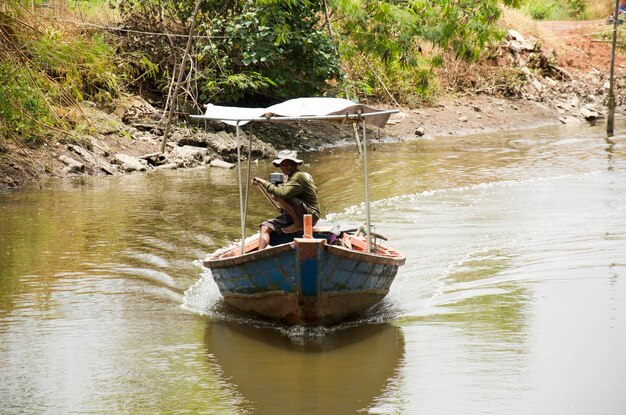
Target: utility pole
[611, 100]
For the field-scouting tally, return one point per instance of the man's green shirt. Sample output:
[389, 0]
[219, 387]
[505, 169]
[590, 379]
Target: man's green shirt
[300, 185]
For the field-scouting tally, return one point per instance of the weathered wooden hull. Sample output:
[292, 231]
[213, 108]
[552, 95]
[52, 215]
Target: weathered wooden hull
[305, 282]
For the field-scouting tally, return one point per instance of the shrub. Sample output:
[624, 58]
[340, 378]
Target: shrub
[24, 112]
[539, 10]
[84, 66]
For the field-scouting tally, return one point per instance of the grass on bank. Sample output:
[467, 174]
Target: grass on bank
[49, 64]
[53, 72]
[568, 9]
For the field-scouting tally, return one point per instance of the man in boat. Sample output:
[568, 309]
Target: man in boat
[296, 197]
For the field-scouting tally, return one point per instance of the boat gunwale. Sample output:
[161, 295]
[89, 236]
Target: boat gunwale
[332, 249]
[270, 251]
[368, 256]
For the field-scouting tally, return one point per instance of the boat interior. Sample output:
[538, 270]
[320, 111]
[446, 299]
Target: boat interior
[350, 239]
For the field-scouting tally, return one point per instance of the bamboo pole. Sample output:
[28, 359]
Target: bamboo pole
[330, 28]
[174, 100]
[611, 99]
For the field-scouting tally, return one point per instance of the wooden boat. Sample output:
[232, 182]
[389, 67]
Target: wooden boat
[307, 281]
[321, 279]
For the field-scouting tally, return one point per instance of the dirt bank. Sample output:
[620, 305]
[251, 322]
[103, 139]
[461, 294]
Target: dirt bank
[101, 153]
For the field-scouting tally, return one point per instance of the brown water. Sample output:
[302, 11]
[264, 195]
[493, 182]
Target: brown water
[513, 298]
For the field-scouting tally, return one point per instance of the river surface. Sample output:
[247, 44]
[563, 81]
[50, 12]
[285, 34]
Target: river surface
[512, 299]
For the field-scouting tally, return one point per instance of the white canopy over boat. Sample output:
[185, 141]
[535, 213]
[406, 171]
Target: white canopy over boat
[320, 108]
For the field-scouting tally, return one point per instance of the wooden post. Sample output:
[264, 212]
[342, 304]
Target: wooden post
[611, 100]
[181, 71]
[308, 226]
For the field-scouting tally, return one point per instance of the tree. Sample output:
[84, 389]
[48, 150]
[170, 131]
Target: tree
[264, 50]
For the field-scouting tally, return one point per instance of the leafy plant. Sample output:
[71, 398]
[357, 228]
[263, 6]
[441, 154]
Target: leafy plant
[555, 10]
[83, 66]
[539, 10]
[136, 69]
[463, 26]
[24, 113]
[393, 34]
[576, 8]
[268, 49]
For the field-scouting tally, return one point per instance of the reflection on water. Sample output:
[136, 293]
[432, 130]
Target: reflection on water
[512, 300]
[336, 372]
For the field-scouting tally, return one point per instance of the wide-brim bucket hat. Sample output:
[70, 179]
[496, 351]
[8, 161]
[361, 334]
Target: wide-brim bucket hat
[287, 155]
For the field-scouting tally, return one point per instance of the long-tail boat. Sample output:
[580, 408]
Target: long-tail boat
[322, 276]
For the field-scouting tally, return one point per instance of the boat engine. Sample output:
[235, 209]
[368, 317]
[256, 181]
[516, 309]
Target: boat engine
[276, 178]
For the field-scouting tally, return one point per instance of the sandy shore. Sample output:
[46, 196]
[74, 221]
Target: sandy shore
[456, 116]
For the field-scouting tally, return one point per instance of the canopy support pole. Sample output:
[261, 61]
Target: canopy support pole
[367, 192]
[245, 209]
[241, 213]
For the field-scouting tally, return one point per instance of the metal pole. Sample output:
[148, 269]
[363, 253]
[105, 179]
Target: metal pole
[611, 99]
[245, 209]
[367, 192]
[241, 214]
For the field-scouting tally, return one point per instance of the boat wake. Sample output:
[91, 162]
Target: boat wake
[464, 243]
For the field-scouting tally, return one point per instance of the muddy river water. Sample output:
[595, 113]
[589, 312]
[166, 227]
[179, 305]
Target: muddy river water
[512, 300]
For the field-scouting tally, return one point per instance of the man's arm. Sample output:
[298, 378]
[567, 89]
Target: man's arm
[288, 190]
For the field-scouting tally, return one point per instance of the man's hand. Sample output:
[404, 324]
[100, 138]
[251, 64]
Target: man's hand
[258, 181]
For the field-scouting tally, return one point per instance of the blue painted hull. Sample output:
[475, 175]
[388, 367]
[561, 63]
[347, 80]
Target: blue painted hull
[305, 282]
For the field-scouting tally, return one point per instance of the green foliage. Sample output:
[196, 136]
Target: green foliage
[410, 84]
[83, 66]
[554, 9]
[465, 27]
[267, 50]
[391, 34]
[262, 50]
[538, 10]
[606, 35]
[136, 68]
[259, 51]
[576, 8]
[43, 70]
[24, 113]
[233, 87]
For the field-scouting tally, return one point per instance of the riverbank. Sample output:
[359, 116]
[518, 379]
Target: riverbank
[123, 148]
[122, 144]
[562, 78]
